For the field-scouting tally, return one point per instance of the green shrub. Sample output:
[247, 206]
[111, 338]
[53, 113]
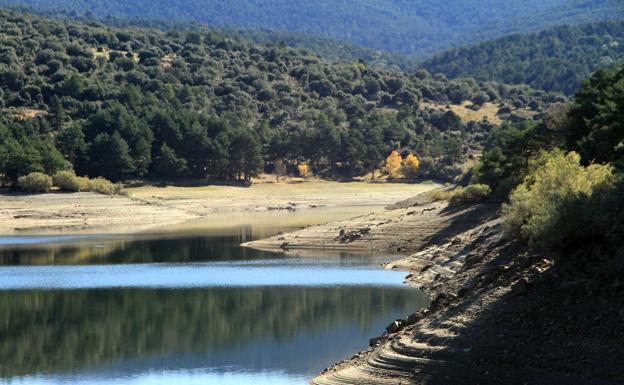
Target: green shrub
[104, 186]
[83, 181]
[435, 196]
[66, 181]
[462, 195]
[546, 209]
[35, 182]
[471, 194]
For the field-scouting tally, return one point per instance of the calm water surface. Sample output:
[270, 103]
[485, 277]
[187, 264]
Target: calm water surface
[188, 306]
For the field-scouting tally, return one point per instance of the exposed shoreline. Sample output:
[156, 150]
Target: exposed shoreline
[500, 314]
[148, 208]
[398, 230]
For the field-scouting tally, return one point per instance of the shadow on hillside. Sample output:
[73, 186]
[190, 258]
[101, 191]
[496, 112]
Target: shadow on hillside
[552, 334]
[463, 218]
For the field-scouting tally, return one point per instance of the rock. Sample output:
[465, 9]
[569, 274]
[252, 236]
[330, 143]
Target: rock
[284, 245]
[520, 287]
[396, 326]
[413, 318]
[375, 341]
[347, 237]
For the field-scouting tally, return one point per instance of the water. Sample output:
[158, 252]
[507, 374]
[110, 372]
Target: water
[186, 307]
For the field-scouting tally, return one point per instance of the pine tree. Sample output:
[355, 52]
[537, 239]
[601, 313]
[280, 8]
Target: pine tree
[167, 164]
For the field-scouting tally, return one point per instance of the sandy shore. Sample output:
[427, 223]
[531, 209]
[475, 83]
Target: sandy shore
[151, 207]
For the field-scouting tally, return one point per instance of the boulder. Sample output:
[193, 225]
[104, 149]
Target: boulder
[396, 326]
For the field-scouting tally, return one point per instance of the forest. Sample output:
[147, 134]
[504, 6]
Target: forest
[123, 103]
[557, 59]
[563, 177]
[417, 28]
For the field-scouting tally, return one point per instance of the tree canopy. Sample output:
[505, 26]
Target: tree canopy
[557, 59]
[417, 27]
[134, 102]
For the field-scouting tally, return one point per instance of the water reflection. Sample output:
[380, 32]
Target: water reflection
[296, 331]
[188, 306]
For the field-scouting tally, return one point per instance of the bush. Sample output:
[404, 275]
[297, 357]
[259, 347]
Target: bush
[83, 181]
[104, 186]
[35, 182]
[546, 208]
[66, 181]
[471, 194]
[462, 195]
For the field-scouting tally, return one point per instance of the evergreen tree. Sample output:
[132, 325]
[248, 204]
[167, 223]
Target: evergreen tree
[110, 157]
[245, 156]
[168, 165]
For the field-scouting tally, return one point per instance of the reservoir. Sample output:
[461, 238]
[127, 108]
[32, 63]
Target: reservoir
[189, 305]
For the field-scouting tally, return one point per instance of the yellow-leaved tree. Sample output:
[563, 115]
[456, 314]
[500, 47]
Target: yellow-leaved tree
[304, 170]
[393, 164]
[411, 165]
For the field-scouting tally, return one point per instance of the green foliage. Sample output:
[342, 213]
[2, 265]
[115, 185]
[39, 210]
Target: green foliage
[26, 148]
[104, 186]
[169, 165]
[509, 149]
[66, 181]
[557, 59]
[473, 193]
[596, 125]
[223, 107]
[541, 210]
[35, 182]
[414, 27]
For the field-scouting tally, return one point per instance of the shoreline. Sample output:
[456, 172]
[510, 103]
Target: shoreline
[499, 314]
[396, 230]
[149, 208]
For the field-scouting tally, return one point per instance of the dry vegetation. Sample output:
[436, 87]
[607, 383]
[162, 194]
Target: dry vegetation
[488, 111]
[23, 113]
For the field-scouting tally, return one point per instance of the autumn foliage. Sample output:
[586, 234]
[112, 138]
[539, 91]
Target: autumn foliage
[411, 166]
[304, 170]
[393, 164]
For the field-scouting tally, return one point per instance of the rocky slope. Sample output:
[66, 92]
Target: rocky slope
[500, 315]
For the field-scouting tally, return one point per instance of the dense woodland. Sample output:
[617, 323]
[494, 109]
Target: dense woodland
[328, 48]
[123, 103]
[564, 176]
[557, 59]
[415, 27]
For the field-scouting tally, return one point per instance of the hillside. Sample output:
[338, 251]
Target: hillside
[133, 103]
[412, 27]
[325, 47]
[557, 59]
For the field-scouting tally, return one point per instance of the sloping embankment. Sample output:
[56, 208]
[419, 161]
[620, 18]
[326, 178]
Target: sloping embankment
[400, 229]
[499, 315]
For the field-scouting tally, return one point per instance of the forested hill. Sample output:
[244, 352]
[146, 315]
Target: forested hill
[325, 47]
[558, 59]
[145, 103]
[409, 26]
